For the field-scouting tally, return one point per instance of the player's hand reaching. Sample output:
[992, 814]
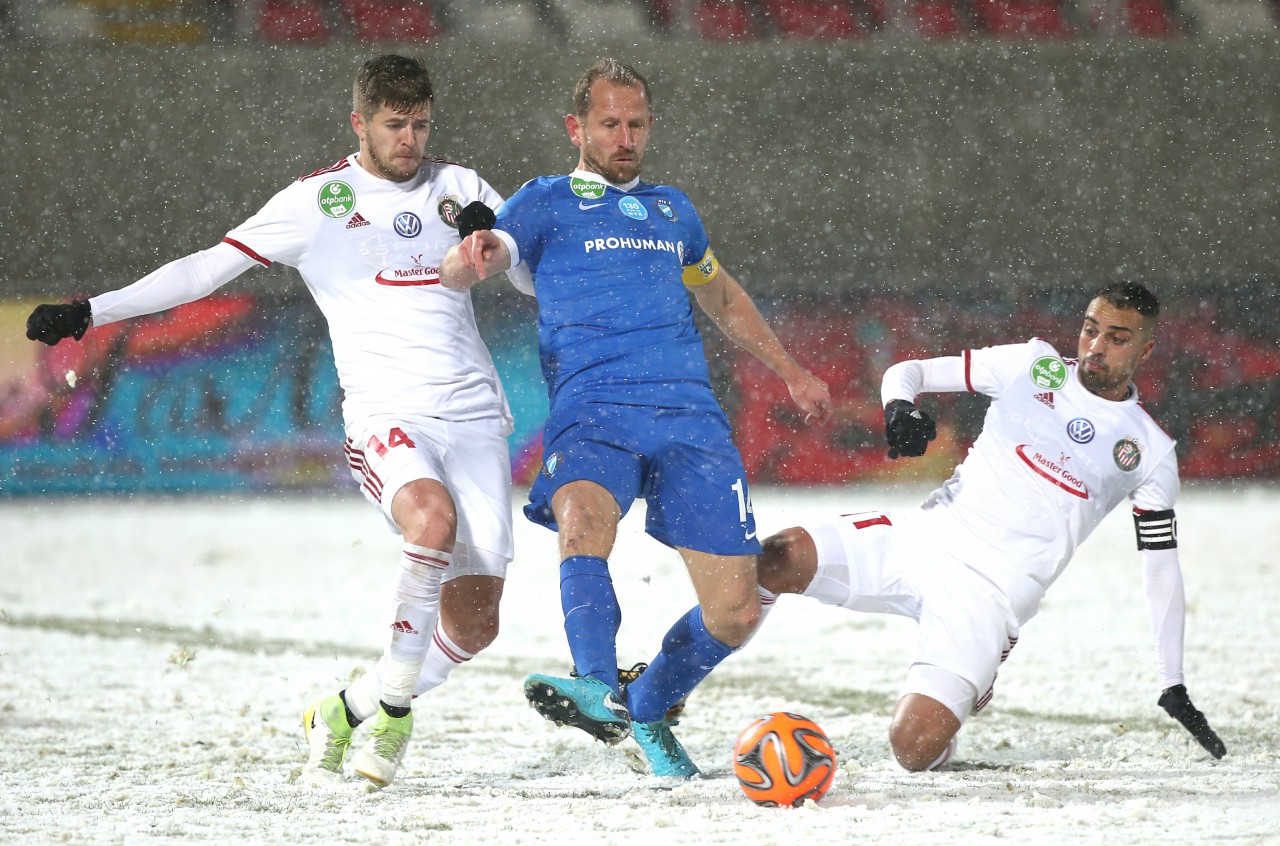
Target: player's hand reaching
[474, 217]
[52, 323]
[907, 429]
[1176, 701]
[813, 397]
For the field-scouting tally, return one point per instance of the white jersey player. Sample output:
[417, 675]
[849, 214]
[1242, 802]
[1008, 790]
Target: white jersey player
[425, 414]
[1063, 443]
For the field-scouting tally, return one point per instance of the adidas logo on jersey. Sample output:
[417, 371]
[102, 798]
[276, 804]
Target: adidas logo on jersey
[1046, 398]
[356, 221]
[404, 627]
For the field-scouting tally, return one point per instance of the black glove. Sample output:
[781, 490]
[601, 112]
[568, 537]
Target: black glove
[474, 217]
[907, 429]
[1178, 704]
[52, 323]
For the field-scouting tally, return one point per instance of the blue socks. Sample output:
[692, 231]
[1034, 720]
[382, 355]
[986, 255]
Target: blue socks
[591, 617]
[689, 654]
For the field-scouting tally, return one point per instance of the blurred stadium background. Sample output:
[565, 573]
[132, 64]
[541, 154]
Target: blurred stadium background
[888, 178]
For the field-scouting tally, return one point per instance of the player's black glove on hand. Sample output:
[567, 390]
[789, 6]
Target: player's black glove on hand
[1178, 704]
[474, 217]
[52, 323]
[907, 429]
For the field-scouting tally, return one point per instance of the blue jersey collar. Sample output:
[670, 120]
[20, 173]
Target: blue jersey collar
[595, 177]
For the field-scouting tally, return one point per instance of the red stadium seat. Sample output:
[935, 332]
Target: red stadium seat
[822, 19]
[1150, 18]
[723, 20]
[391, 20]
[1023, 18]
[292, 21]
[937, 19]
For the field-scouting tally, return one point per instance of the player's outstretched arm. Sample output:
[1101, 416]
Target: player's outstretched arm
[49, 324]
[735, 314]
[1177, 703]
[480, 255]
[181, 281]
[1157, 534]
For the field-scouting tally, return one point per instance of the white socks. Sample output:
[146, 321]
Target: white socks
[443, 655]
[417, 599]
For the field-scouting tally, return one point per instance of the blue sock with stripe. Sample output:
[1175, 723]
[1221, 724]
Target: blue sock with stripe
[689, 654]
[591, 617]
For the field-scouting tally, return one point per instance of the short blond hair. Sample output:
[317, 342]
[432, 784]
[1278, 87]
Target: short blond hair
[610, 70]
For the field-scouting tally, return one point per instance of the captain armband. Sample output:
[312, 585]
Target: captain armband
[702, 272]
[1156, 529]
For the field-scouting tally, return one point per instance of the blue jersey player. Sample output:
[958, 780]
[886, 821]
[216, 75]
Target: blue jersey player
[632, 409]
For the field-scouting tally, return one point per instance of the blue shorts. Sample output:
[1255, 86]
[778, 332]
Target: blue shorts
[682, 461]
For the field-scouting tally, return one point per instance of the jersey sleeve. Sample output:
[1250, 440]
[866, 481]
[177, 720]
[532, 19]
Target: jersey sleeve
[1159, 491]
[989, 370]
[525, 218]
[699, 262]
[182, 281]
[518, 275]
[283, 229]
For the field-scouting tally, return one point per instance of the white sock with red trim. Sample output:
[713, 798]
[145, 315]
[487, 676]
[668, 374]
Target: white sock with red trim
[442, 658]
[417, 609]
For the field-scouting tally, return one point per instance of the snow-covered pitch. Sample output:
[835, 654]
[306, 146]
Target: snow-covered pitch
[156, 656]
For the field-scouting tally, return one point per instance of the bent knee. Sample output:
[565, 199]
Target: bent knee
[788, 561]
[921, 729]
[733, 627]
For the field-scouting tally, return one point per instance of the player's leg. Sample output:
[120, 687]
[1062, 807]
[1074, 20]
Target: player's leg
[398, 467]
[425, 513]
[855, 563]
[967, 628]
[591, 475]
[587, 517]
[698, 503]
[922, 732]
[788, 561]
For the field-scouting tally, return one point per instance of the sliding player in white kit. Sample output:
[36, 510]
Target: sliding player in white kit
[1063, 443]
[426, 417]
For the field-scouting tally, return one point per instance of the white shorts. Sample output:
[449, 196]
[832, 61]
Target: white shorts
[469, 458]
[967, 625]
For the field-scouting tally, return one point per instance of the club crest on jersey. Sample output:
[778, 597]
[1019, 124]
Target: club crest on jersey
[633, 208]
[336, 199]
[1127, 453]
[408, 225]
[586, 189]
[664, 208]
[552, 462]
[449, 208]
[1080, 430]
[1049, 372]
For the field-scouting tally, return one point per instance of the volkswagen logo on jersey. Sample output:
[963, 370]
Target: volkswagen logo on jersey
[1080, 430]
[664, 207]
[408, 225]
[633, 208]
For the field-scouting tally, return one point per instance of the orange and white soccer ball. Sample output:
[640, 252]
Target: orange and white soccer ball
[783, 759]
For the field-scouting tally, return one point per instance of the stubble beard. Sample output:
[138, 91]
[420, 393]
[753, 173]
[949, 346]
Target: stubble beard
[618, 175]
[384, 170]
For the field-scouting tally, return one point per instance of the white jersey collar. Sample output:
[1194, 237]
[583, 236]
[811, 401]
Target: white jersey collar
[595, 177]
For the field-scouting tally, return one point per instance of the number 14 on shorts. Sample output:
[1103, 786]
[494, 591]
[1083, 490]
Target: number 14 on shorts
[396, 437]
